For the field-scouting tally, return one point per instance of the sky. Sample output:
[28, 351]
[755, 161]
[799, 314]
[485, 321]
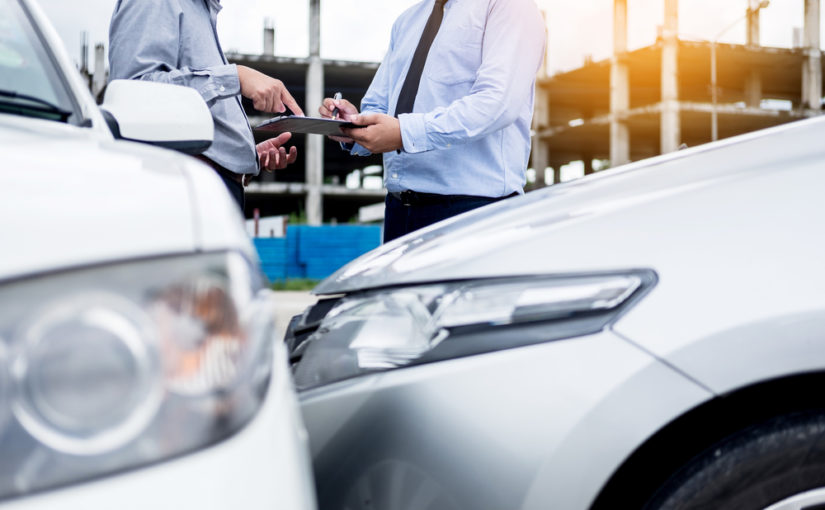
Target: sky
[360, 29]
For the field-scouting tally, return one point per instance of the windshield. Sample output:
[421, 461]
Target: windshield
[30, 84]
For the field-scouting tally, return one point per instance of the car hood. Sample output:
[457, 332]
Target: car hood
[72, 197]
[598, 223]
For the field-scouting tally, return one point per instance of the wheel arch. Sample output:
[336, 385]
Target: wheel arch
[661, 455]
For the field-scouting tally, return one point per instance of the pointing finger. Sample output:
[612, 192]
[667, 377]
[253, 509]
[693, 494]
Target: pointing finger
[290, 103]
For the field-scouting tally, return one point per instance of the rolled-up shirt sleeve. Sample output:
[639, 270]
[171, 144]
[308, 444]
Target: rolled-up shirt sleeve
[144, 40]
[513, 47]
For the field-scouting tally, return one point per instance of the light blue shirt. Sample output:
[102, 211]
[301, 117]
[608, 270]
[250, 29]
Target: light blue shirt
[176, 41]
[469, 132]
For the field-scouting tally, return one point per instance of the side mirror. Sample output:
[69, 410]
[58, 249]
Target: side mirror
[169, 116]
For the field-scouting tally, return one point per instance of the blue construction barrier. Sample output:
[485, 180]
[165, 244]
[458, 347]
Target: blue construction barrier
[315, 252]
[274, 257]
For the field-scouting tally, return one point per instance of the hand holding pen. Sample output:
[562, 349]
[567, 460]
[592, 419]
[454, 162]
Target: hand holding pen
[337, 108]
[336, 99]
[340, 109]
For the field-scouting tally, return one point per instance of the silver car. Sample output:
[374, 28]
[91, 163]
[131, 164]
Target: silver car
[648, 337]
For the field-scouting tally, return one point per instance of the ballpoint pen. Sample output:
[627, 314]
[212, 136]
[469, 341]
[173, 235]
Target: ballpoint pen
[335, 112]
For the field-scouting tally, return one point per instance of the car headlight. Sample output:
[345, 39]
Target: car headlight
[392, 328]
[109, 368]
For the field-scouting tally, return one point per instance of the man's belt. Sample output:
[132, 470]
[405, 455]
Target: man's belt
[410, 197]
[242, 179]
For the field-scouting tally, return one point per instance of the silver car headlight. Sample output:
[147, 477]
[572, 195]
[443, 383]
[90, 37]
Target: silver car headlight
[109, 368]
[392, 328]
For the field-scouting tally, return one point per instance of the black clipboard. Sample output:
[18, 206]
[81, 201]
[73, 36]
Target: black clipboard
[311, 125]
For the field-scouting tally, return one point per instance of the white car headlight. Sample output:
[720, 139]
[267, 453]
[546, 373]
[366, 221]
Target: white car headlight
[87, 374]
[397, 327]
[109, 368]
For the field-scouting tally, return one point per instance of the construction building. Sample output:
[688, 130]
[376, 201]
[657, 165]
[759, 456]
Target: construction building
[673, 94]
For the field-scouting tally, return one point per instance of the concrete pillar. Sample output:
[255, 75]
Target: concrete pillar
[619, 88]
[84, 52]
[314, 98]
[753, 19]
[99, 77]
[812, 68]
[753, 82]
[540, 153]
[555, 171]
[269, 37]
[84, 61]
[753, 88]
[541, 159]
[670, 137]
[588, 164]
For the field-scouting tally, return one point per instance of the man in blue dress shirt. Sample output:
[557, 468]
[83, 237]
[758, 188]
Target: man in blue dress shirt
[176, 41]
[450, 107]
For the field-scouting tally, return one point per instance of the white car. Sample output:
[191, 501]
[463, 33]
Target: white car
[649, 337]
[138, 364]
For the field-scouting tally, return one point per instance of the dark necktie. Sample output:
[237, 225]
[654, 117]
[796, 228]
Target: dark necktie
[406, 99]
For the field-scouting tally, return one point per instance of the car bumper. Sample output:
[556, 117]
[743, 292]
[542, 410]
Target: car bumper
[265, 465]
[520, 428]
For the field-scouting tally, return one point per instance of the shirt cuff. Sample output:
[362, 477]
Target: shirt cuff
[224, 81]
[355, 149]
[414, 132]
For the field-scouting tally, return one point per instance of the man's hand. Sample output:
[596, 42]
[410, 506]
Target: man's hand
[346, 112]
[273, 155]
[377, 132]
[267, 93]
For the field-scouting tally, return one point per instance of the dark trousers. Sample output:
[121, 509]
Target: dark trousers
[412, 211]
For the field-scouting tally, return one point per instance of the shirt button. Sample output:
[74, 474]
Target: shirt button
[449, 145]
[223, 89]
[395, 176]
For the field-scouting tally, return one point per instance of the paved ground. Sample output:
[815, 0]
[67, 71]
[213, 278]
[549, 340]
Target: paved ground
[289, 303]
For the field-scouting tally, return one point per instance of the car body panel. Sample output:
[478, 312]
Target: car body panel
[218, 220]
[780, 344]
[582, 225]
[434, 432]
[746, 303]
[137, 212]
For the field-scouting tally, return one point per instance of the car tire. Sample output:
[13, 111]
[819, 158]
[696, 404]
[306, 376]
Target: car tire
[754, 469]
